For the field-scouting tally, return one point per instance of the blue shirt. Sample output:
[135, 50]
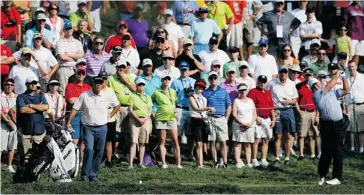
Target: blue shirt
[95, 5]
[29, 36]
[202, 31]
[151, 86]
[179, 85]
[327, 104]
[179, 6]
[219, 99]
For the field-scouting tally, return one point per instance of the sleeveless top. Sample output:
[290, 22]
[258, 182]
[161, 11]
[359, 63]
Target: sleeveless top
[342, 44]
[244, 110]
[201, 102]
[55, 28]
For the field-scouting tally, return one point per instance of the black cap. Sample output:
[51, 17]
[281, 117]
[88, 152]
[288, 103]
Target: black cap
[333, 66]
[234, 49]
[117, 49]
[310, 10]
[213, 39]
[262, 78]
[342, 55]
[103, 75]
[203, 9]
[303, 64]
[97, 79]
[308, 71]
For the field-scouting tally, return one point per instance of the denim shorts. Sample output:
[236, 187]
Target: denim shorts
[287, 122]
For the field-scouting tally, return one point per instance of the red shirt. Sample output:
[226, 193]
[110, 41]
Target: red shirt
[115, 40]
[10, 32]
[305, 100]
[5, 52]
[238, 10]
[263, 101]
[75, 90]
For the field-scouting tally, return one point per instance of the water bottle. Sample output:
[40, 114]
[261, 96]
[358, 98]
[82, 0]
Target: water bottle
[184, 139]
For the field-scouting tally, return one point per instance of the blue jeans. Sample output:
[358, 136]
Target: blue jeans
[94, 138]
[77, 126]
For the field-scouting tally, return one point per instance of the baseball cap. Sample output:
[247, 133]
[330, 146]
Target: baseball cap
[167, 55]
[203, 9]
[168, 12]
[166, 76]
[332, 66]
[103, 75]
[116, 49]
[243, 64]
[67, 25]
[98, 79]
[122, 22]
[303, 64]
[40, 10]
[263, 41]
[262, 79]
[26, 50]
[81, 2]
[139, 7]
[278, 1]
[80, 60]
[281, 68]
[140, 81]
[316, 41]
[312, 81]
[201, 83]
[147, 62]
[41, 16]
[308, 71]
[32, 79]
[187, 41]
[54, 82]
[322, 73]
[309, 10]
[9, 79]
[184, 65]
[242, 87]
[295, 67]
[37, 35]
[232, 69]
[121, 62]
[81, 69]
[213, 40]
[213, 73]
[216, 63]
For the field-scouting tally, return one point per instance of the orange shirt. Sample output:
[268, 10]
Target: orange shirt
[341, 3]
[237, 7]
[126, 6]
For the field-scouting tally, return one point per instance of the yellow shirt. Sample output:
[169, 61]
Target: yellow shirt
[220, 12]
[122, 92]
[166, 104]
[200, 3]
[142, 105]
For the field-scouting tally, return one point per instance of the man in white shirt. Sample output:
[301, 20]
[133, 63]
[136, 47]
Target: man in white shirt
[207, 57]
[284, 95]
[356, 99]
[94, 107]
[299, 13]
[168, 68]
[175, 33]
[263, 63]
[23, 70]
[309, 30]
[129, 53]
[244, 77]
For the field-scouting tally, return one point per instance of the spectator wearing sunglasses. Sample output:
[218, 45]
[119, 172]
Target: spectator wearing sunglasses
[322, 76]
[31, 24]
[343, 42]
[81, 13]
[139, 27]
[287, 57]
[193, 60]
[320, 64]
[168, 68]
[284, 95]
[262, 63]
[129, 54]
[295, 73]
[39, 27]
[55, 22]
[161, 36]
[309, 30]
[313, 56]
[116, 40]
[96, 57]
[173, 31]
[109, 66]
[81, 63]
[81, 35]
[207, 57]
[9, 138]
[216, 65]
[5, 62]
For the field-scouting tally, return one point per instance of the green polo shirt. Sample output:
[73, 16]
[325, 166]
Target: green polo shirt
[227, 66]
[122, 92]
[317, 67]
[77, 16]
[142, 105]
[166, 104]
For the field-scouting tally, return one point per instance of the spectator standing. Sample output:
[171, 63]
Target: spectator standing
[202, 29]
[219, 99]
[184, 14]
[126, 9]
[5, 61]
[284, 95]
[175, 33]
[208, 56]
[266, 119]
[9, 138]
[109, 66]
[57, 103]
[96, 57]
[130, 54]
[156, 55]
[193, 60]
[245, 116]
[184, 88]
[81, 63]
[234, 51]
[152, 81]
[82, 13]
[309, 30]
[299, 13]
[116, 40]
[280, 25]
[295, 73]
[166, 117]
[30, 119]
[161, 36]
[140, 109]
[332, 126]
[81, 35]
[95, 9]
[344, 42]
[262, 63]
[68, 51]
[244, 77]
[168, 68]
[10, 25]
[94, 107]
[139, 27]
[320, 64]
[215, 67]
[31, 24]
[39, 27]
[66, 8]
[313, 56]
[287, 57]
[55, 22]
[22, 71]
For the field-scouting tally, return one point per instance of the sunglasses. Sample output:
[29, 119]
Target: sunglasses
[98, 82]
[38, 39]
[344, 30]
[286, 50]
[263, 45]
[295, 72]
[53, 8]
[81, 64]
[81, 73]
[68, 29]
[322, 54]
[166, 79]
[121, 67]
[283, 71]
[315, 45]
[41, 21]
[141, 84]
[213, 78]
[99, 43]
[9, 85]
[168, 58]
[213, 43]
[322, 76]
[160, 40]
[123, 26]
[126, 38]
[27, 55]
[217, 66]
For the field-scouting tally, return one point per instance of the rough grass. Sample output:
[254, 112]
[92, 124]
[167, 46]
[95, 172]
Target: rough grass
[301, 177]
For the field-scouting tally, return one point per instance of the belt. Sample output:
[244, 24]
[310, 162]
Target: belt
[358, 104]
[218, 116]
[308, 110]
[329, 121]
[124, 105]
[264, 117]
[183, 108]
[183, 24]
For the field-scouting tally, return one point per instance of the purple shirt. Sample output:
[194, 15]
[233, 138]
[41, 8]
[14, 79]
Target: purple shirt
[354, 19]
[232, 90]
[139, 31]
[94, 62]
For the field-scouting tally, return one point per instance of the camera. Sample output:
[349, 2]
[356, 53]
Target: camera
[188, 91]
[11, 23]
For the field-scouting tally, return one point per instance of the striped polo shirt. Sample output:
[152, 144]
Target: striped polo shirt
[64, 46]
[219, 99]
[94, 62]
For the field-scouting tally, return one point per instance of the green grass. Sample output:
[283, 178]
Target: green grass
[301, 177]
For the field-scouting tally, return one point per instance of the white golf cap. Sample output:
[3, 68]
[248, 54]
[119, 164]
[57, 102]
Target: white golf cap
[168, 12]
[312, 81]
[244, 64]
[216, 62]
[41, 16]
[121, 62]
[213, 73]
[187, 41]
[147, 62]
[232, 69]
[139, 81]
[32, 79]
[295, 67]
[316, 41]
[81, 1]
[54, 82]
[243, 87]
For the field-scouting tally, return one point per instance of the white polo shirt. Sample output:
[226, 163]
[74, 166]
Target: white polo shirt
[207, 57]
[309, 28]
[173, 72]
[174, 33]
[281, 92]
[94, 107]
[250, 82]
[20, 74]
[259, 65]
[132, 56]
[356, 89]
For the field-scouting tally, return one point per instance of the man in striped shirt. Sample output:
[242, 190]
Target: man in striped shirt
[96, 57]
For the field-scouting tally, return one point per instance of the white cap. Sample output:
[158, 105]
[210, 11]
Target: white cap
[216, 62]
[295, 67]
[213, 73]
[244, 63]
[31, 79]
[279, 1]
[54, 82]
[316, 41]
[121, 62]
[140, 80]
[312, 81]
[147, 61]
[40, 9]
[81, 60]
[187, 41]
[81, 1]
[168, 12]
[243, 87]
[41, 16]
[232, 69]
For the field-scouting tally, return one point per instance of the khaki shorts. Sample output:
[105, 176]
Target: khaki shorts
[220, 130]
[27, 141]
[248, 35]
[358, 120]
[264, 130]
[140, 134]
[122, 120]
[307, 126]
[166, 125]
